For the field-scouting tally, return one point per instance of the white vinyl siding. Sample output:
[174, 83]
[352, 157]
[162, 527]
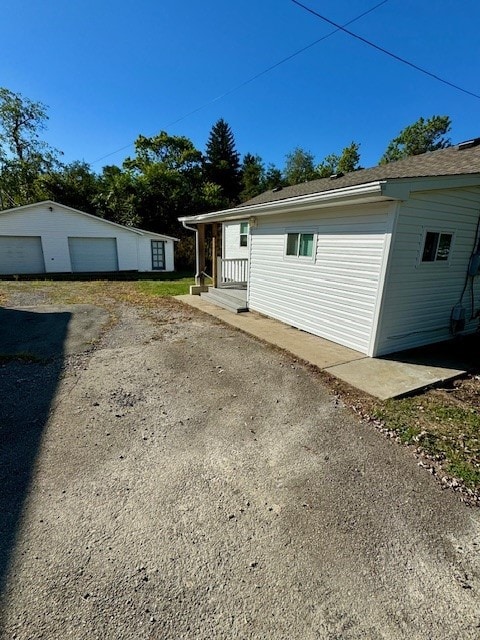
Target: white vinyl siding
[93, 254]
[231, 243]
[333, 295]
[419, 296]
[54, 224]
[21, 254]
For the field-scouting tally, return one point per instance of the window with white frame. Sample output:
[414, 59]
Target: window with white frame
[299, 245]
[243, 234]
[437, 246]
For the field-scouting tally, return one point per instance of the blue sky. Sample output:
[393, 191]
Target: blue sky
[110, 71]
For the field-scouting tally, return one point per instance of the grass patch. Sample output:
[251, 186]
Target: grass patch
[166, 287]
[105, 293]
[445, 424]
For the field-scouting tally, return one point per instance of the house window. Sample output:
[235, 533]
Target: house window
[300, 245]
[437, 247]
[243, 234]
[158, 255]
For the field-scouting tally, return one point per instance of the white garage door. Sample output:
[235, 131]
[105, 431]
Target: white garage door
[93, 254]
[21, 254]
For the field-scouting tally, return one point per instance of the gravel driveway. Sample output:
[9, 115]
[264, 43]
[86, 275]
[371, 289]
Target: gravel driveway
[182, 480]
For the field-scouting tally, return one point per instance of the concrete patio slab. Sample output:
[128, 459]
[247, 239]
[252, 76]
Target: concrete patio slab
[384, 378]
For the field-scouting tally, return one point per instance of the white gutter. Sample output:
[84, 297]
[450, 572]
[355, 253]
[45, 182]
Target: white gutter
[197, 258]
[300, 202]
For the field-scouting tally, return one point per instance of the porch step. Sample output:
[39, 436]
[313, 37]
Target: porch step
[222, 298]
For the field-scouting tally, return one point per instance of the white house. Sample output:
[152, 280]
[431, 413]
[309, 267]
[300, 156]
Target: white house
[48, 237]
[379, 260]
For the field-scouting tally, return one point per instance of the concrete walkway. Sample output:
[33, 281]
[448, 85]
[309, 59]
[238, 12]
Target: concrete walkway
[380, 377]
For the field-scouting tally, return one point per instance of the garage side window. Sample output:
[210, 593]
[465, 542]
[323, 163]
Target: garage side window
[158, 255]
[300, 245]
[437, 247]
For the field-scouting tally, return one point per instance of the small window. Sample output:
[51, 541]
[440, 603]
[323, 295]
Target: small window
[243, 234]
[437, 247]
[300, 245]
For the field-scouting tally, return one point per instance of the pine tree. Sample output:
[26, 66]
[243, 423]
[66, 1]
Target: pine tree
[419, 137]
[222, 161]
[253, 177]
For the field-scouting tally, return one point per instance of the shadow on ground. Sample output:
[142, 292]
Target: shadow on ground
[463, 352]
[31, 358]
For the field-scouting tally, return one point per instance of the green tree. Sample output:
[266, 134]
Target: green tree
[253, 177]
[347, 161]
[169, 182]
[23, 155]
[350, 159]
[299, 167]
[117, 199]
[74, 185]
[273, 178]
[222, 161]
[419, 137]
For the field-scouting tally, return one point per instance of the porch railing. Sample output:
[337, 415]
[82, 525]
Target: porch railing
[232, 272]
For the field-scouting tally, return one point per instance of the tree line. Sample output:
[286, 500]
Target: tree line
[167, 176]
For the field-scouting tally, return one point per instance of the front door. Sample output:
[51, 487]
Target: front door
[158, 255]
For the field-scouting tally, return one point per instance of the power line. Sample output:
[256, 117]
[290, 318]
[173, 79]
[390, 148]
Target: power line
[256, 76]
[388, 53]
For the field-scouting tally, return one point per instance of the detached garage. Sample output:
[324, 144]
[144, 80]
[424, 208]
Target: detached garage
[48, 237]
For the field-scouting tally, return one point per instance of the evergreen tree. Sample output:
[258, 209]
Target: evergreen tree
[222, 164]
[299, 167]
[419, 137]
[253, 177]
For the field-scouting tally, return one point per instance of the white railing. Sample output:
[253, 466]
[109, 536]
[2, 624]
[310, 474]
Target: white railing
[232, 271]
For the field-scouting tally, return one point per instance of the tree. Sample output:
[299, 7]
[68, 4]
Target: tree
[222, 162]
[419, 137]
[168, 182]
[74, 185]
[253, 177]
[117, 199]
[23, 155]
[299, 167]
[350, 158]
[273, 178]
[344, 163]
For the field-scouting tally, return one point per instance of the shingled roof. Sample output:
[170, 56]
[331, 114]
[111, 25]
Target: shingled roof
[457, 160]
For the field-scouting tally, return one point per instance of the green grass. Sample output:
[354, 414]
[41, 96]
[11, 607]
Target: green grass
[165, 287]
[446, 428]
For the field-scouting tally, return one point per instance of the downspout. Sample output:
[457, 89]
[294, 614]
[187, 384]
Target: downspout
[197, 261]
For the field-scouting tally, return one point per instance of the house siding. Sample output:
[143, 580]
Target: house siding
[57, 226]
[333, 295]
[231, 241]
[419, 297]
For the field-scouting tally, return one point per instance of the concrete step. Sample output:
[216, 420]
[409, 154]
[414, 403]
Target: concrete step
[223, 299]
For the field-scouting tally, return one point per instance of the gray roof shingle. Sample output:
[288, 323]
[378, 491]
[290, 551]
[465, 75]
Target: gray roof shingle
[444, 162]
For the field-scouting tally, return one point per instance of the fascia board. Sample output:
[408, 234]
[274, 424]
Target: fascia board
[372, 191]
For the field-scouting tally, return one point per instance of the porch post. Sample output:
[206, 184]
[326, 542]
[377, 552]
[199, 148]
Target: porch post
[214, 254]
[201, 255]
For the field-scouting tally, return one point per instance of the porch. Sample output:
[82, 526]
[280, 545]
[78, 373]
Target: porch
[226, 284]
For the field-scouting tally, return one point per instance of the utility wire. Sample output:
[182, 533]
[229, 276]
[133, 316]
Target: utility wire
[255, 77]
[388, 53]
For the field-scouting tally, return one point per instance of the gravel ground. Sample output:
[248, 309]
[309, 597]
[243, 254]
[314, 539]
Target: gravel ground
[182, 480]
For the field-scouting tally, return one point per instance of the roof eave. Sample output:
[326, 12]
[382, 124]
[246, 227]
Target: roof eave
[368, 192]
